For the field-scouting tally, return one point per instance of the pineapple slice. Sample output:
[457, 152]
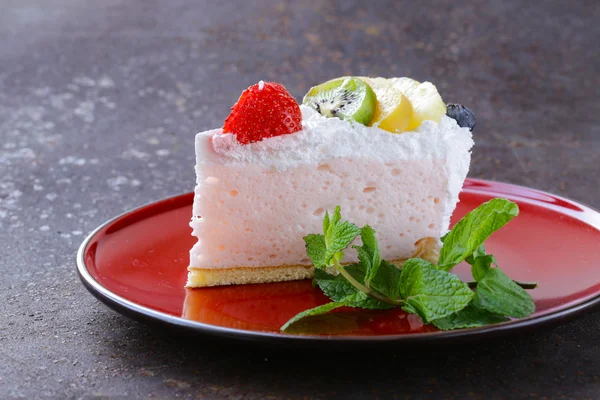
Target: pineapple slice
[426, 103]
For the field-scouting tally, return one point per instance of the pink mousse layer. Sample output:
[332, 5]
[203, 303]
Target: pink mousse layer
[252, 216]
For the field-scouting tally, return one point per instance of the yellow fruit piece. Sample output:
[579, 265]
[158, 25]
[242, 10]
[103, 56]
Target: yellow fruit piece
[393, 112]
[427, 104]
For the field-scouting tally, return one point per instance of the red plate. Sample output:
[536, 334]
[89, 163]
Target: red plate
[136, 263]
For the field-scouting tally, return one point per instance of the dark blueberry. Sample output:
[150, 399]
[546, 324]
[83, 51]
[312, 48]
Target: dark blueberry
[464, 116]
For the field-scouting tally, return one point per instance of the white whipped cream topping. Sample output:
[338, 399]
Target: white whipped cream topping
[324, 138]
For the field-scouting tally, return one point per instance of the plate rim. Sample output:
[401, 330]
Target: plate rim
[140, 312]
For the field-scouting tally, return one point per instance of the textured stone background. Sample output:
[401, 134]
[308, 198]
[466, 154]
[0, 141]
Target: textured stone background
[99, 102]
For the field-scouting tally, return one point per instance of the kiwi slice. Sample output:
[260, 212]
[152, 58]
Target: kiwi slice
[346, 98]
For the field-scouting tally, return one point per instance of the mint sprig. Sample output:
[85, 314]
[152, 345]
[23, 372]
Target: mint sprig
[420, 287]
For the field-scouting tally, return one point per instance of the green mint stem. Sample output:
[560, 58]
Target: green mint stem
[524, 285]
[363, 288]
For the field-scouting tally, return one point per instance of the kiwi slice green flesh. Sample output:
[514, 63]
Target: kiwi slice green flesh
[346, 98]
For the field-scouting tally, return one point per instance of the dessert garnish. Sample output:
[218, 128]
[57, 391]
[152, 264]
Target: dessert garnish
[394, 111]
[263, 110]
[346, 98]
[396, 105]
[462, 115]
[419, 286]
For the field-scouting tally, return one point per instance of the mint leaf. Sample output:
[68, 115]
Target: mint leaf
[337, 236]
[336, 217]
[431, 293]
[356, 300]
[325, 308]
[468, 317]
[369, 254]
[471, 231]
[326, 222]
[337, 288]
[480, 262]
[333, 323]
[340, 236]
[409, 275]
[481, 266]
[480, 251]
[316, 250]
[498, 294]
[387, 280]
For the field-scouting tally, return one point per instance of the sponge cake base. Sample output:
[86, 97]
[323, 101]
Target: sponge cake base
[203, 277]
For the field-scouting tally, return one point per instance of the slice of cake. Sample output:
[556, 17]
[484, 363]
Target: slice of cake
[383, 150]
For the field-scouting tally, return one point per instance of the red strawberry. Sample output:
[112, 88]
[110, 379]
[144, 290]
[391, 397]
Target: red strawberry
[263, 110]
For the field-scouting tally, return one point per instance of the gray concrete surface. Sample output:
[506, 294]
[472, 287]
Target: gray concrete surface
[99, 102]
